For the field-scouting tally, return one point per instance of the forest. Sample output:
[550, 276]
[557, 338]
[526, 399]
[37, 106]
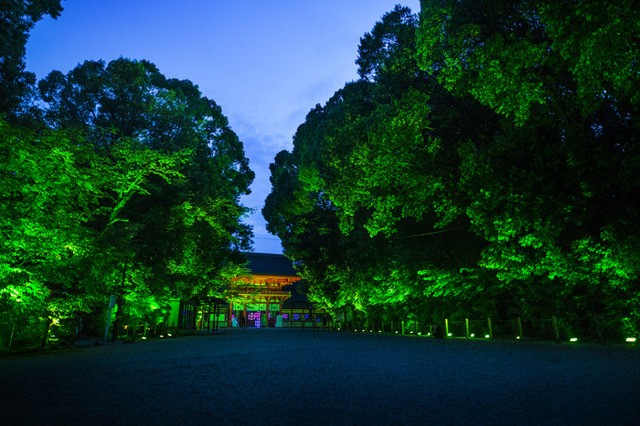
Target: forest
[484, 165]
[114, 180]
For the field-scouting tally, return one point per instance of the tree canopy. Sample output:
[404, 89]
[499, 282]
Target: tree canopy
[486, 161]
[17, 18]
[118, 180]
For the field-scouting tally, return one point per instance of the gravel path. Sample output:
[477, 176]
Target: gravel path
[270, 376]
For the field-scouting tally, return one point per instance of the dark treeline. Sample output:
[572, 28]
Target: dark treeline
[114, 180]
[486, 163]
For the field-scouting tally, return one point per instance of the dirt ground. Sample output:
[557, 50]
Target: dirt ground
[277, 376]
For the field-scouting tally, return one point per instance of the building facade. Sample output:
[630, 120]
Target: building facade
[268, 297]
[259, 298]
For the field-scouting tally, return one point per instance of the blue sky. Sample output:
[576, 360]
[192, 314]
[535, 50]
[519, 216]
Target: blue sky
[265, 62]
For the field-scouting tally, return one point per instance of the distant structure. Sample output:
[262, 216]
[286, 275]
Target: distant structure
[261, 295]
[268, 297]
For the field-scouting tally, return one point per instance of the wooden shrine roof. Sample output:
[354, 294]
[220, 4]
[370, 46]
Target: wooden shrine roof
[270, 264]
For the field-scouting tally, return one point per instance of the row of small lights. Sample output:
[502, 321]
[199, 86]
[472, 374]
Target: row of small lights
[486, 336]
[161, 336]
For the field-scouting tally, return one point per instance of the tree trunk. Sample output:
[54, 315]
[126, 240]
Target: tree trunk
[45, 336]
[11, 337]
[120, 304]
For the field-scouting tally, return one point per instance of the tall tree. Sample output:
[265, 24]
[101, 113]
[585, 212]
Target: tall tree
[171, 216]
[132, 100]
[553, 192]
[487, 164]
[17, 18]
[378, 165]
[50, 188]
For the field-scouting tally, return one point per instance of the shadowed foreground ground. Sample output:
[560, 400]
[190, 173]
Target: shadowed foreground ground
[271, 376]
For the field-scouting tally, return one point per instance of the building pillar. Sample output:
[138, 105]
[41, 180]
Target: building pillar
[267, 316]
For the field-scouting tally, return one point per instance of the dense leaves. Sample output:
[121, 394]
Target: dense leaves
[486, 161]
[48, 196]
[125, 183]
[171, 145]
[17, 18]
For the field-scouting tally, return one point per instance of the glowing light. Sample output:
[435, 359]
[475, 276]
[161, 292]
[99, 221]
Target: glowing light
[161, 336]
[419, 333]
[428, 334]
[169, 334]
[573, 339]
[449, 334]
[518, 337]
[631, 339]
[412, 332]
[486, 336]
[473, 335]
[144, 338]
[379, 331]
[396, 332]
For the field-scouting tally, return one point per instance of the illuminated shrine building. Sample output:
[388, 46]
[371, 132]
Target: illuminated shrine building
[268, 297]
[261, 296]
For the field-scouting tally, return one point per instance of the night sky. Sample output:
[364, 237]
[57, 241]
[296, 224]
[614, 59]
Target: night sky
[266, 63]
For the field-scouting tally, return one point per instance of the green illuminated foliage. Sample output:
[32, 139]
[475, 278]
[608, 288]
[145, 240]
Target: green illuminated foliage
[557, 178]
[50, 194]
[22, 307]
[135, 193]
[125, 183]
[181, 169]
[366, 197]
[486, 161]
[569, 57]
